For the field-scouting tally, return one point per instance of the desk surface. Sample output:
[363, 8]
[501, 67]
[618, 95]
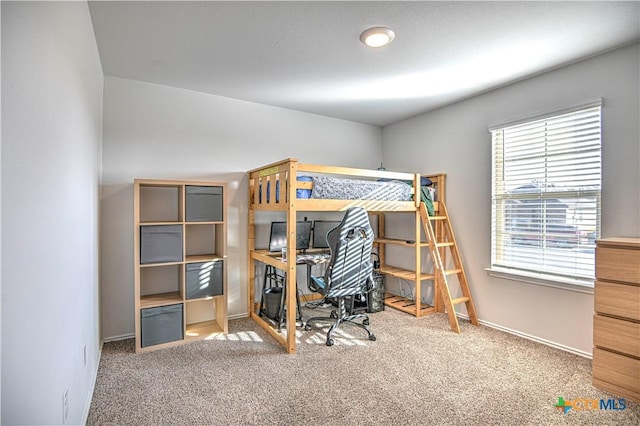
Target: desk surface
[307, 258]
[313, 259]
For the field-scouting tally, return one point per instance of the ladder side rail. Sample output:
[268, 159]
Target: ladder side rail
[439, 270]
[462, 276]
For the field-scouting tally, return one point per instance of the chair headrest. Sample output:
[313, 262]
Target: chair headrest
[355, 217]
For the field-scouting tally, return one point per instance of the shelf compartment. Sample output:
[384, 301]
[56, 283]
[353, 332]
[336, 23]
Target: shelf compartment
[202, 240]
[161, 324]
[160, 203]
[203, 203]
[405, 274]
[204, 279]
[160, 243]
[202, 318]
[202, 330]
[161, 279]
[407, 305]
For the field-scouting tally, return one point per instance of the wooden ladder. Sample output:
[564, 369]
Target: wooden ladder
[438, 247]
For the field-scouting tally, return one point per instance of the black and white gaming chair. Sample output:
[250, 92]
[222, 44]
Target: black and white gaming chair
[349, 272]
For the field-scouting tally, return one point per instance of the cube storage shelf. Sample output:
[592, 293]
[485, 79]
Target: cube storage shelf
[180, 250]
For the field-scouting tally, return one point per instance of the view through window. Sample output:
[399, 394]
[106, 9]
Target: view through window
[546, 195]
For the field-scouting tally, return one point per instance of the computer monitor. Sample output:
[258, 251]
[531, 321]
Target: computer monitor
[278, 237]
[320, 230]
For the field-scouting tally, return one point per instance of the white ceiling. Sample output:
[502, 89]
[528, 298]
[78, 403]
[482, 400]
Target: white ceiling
[307, 55]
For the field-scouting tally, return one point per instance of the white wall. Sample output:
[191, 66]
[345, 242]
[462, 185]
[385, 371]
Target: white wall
[51, 141]
[154, 131]
[455, 140]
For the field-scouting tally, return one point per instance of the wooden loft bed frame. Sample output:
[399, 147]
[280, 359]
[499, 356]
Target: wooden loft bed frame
[271, 189]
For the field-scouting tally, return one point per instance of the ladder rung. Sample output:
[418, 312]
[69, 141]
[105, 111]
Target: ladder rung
[445, 244]
[452, 271]
[459, 300]
[437, 217]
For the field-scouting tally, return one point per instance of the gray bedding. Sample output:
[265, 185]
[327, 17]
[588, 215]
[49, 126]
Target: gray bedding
[325, 187]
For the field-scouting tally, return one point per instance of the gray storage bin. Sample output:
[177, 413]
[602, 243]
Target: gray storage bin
[204, 279]
[161, 324]
[160, 243]
[203, 203]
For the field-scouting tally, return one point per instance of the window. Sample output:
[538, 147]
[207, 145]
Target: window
[546, 179]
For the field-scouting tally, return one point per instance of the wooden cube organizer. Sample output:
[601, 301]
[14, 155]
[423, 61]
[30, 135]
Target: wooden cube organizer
[196, 235]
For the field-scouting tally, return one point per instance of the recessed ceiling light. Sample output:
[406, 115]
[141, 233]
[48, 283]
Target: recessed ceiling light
[377, 36]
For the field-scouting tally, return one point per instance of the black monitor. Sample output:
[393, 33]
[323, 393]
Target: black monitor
[278, 237]
[320, 230]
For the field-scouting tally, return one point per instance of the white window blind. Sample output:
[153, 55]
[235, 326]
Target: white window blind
[546, 196]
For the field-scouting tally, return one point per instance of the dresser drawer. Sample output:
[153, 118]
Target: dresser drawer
[617, 369]
[617, 335]
[618, 299]
[618, 264]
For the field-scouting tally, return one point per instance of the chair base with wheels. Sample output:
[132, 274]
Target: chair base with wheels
[342, 316]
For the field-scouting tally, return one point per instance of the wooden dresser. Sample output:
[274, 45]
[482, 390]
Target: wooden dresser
[616, 323]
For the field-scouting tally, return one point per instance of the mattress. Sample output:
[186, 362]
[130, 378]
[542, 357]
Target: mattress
[327, 187]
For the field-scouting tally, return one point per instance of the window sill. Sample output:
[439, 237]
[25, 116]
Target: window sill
[542, 279]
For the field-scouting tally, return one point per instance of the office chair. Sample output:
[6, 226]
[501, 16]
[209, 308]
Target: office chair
[349, 272]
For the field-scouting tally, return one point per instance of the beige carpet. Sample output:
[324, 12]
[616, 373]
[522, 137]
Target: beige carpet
[417, 372]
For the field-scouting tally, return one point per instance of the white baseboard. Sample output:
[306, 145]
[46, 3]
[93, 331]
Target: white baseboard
[533, 338]
[120, 337]
[463, 316]
[133, 336]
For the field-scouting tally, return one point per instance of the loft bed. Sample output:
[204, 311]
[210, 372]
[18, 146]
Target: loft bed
[290, 187]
